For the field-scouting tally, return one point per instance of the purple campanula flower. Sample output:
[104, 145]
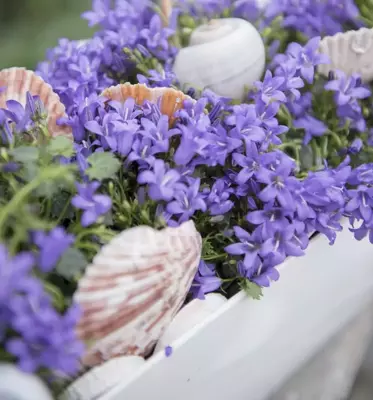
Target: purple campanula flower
[363, 231]
[14, 280]
[93, 205]
[347, 89]
[165, 78]
[246, 9]
[105, 129]
[261, 272]
[292, 82]
[126, 110]
[19, 115]
[282, 245]
[205, 280]
[142, 152]
[250, 245]
[312, 127]
[187, 200]
[168, 351]
[270, 219]
[307, 57]
[270, 89]
[156, 35]
[279, 185]
[191, 144]
[362, 175]
[101, 9]
[271, 136]
[355, 146]
[223, 145]
[246, 124]
[159, 133]
[51, 245]
[360, 203]
[161, 180]
[6, 132]
[48, 339]
[41, 337]
[250, 163]
[300, 107]
[218, 198]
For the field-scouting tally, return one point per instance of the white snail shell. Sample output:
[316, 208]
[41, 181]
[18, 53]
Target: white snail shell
[190, 316]
[224, 55]
[17, 385]
[350, 52]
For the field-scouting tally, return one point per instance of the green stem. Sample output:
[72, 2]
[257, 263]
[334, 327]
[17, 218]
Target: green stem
[336, 138]
[89, 246]
[100, 231]
[14, 205]
[215, 257]
[63, 212]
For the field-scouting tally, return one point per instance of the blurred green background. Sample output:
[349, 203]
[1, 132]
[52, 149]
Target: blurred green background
[29, 27]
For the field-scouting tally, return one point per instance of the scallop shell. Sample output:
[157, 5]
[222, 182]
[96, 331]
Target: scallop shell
[170, 100]
[350, 52]
[225, 55]
[193, 314]
[99, 380]
[166, 8]
[17, 385]
[133, 289]
[19, 81]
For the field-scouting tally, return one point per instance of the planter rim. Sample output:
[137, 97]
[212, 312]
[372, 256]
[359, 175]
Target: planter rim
[231, 303]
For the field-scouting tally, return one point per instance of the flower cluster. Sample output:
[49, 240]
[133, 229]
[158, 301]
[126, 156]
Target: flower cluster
[258, 178]
[315, 18]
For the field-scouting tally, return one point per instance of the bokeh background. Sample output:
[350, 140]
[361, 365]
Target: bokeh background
[29, 27]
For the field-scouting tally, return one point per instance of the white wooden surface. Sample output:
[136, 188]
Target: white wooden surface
[249, 348]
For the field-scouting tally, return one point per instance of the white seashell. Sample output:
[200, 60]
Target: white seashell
[225, 56]
[19, 81]
[99, 380]
[17, 385]
[133, 289]
[350, 52]
[189, 316]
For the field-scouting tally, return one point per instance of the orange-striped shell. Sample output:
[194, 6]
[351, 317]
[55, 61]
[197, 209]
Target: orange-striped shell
[19, 81]
[170, 100]
[133, 289]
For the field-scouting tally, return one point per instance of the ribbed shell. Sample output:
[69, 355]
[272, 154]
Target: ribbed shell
[19, 81]
[224, 55]
[133, 289]
[350, 52]
[170, 100]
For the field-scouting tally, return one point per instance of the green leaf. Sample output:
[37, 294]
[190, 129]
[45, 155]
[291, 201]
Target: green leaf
[61, 146]
[103, 166]
[30, 171]
[72, 263]
[25, 154]
[252, 289]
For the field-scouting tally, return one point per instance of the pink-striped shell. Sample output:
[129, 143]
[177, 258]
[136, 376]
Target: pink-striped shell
[19, 81]
[133, 289]
[170, 100]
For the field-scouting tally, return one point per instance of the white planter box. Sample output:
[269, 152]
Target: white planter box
[249, 348]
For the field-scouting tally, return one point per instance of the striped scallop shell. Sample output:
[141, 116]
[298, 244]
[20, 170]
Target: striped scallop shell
[133, 289]
[170, 100]
[350, 52]
[19, 81]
